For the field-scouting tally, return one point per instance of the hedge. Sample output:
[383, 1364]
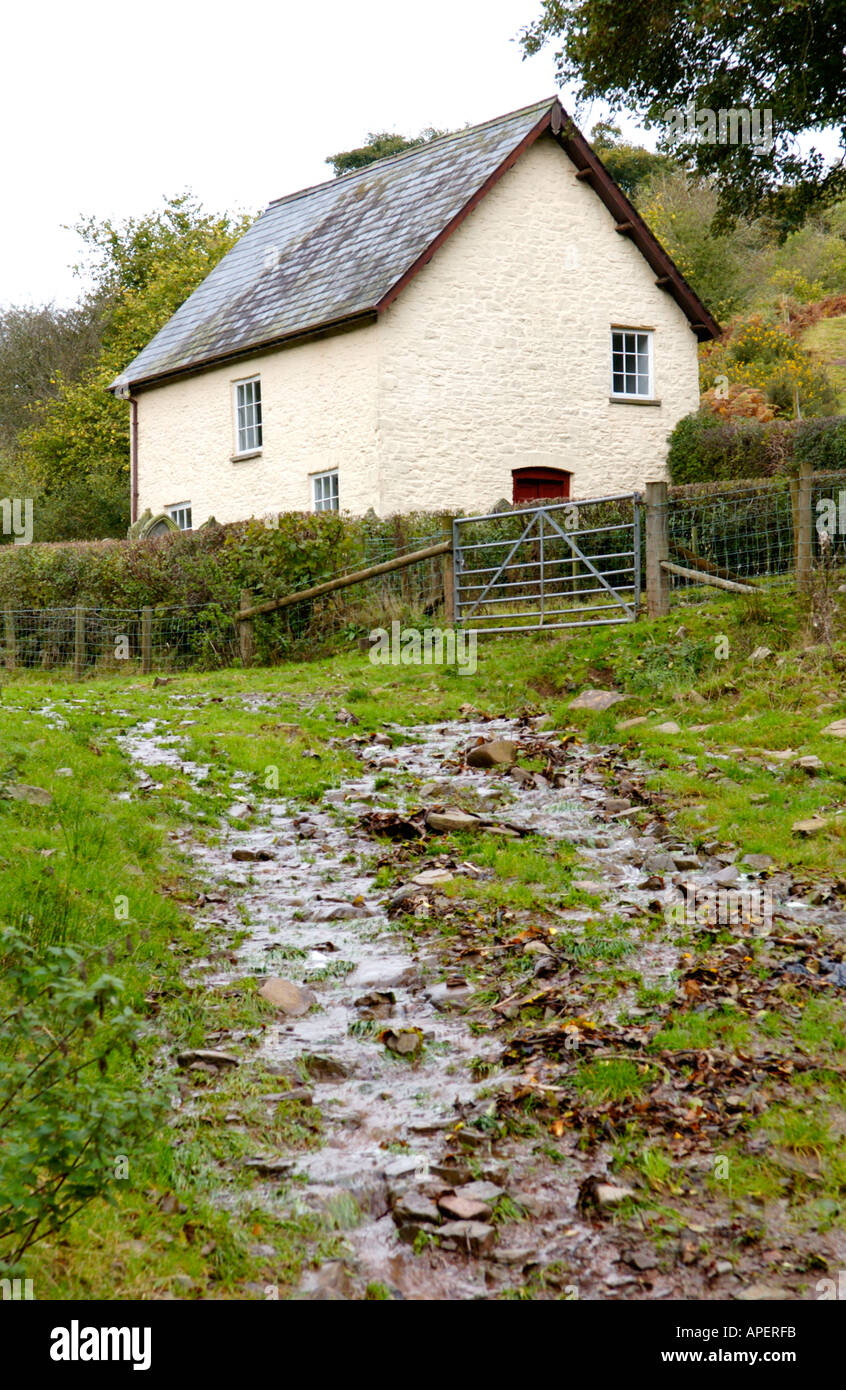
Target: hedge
[208, 566]
[704, 448]
[193, 581]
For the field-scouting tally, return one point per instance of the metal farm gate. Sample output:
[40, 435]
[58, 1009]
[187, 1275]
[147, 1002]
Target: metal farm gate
[572, 564]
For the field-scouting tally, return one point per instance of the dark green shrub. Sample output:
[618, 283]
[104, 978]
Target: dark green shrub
[194, 580]
[704, 448]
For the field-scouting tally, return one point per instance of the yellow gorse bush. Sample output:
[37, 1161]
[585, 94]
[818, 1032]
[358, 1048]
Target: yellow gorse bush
[761, 353]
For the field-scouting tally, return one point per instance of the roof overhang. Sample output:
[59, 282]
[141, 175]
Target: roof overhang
[628, 222]
[204, 364]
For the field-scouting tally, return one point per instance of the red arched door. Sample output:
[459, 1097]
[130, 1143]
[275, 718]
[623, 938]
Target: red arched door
[534, 484]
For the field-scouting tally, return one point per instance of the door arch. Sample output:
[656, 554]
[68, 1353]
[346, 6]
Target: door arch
[533, 484]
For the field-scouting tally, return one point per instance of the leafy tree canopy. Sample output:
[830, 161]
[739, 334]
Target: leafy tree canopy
[380, 145]
[38, 346]
[141, 271]
[630, 166]
[700, 55]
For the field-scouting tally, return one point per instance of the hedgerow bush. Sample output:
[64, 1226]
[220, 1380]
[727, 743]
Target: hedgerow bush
[703, 448]
[206, 567]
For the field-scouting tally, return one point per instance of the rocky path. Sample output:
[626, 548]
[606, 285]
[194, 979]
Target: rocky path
[407, 1058]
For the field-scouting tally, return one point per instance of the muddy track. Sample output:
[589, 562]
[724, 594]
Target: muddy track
[400, 1132]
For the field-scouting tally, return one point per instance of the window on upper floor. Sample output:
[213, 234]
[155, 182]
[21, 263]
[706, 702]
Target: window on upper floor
[325, 491]
[631, 364]
[248, 431]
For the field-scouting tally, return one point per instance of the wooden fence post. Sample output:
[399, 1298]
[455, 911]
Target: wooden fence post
[11, 653]
[448, 573]
[78, 641]
[146, 641]
[805, 545]
[246, 635]
[657, 551]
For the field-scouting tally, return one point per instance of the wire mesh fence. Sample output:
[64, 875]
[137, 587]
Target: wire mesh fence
[417, 590]
[758, 530]
[90, 640]
[86, 640]
[762, 530]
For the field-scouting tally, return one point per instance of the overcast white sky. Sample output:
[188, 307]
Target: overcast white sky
[112, 106]
[108, 107]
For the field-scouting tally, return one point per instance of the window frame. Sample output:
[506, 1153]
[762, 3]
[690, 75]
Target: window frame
[257, 426]
[334, 495]
[177, 508]
[649, 335]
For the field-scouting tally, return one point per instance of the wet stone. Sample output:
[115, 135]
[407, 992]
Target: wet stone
[405, 1165]
[446, 996]
[331, 1283]
[288, 997]
[376, 1004]
[463, 1208]
[324, 1068]
[405, 1041]
[451, 1173]
[339, 912]
[416, 1207]
[499, 753]
[757, 862]
[474, 1237]
[597, 699]
[481, 1191]
[451, 819]
[659, 863]
[33, 796]
[429, 877]
[687, 862]
[300, 1094]
[207, 1057]
[269, 1167]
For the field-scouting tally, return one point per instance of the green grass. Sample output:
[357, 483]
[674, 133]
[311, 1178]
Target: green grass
[826, 342]
[613, 1079]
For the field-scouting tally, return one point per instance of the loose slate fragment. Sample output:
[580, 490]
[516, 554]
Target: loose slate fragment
[215, 1059]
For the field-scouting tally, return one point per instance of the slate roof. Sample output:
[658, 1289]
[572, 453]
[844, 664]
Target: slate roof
[340, 251]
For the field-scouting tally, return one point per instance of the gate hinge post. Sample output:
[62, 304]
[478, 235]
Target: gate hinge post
[657, 550]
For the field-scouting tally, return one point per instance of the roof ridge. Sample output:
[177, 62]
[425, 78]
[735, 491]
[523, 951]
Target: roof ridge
[406, 154]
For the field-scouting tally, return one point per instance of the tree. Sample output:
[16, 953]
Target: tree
[630, 166]
[698, 56]
[142, 270]
[380, 145]
[726, 269]
[37, 347]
